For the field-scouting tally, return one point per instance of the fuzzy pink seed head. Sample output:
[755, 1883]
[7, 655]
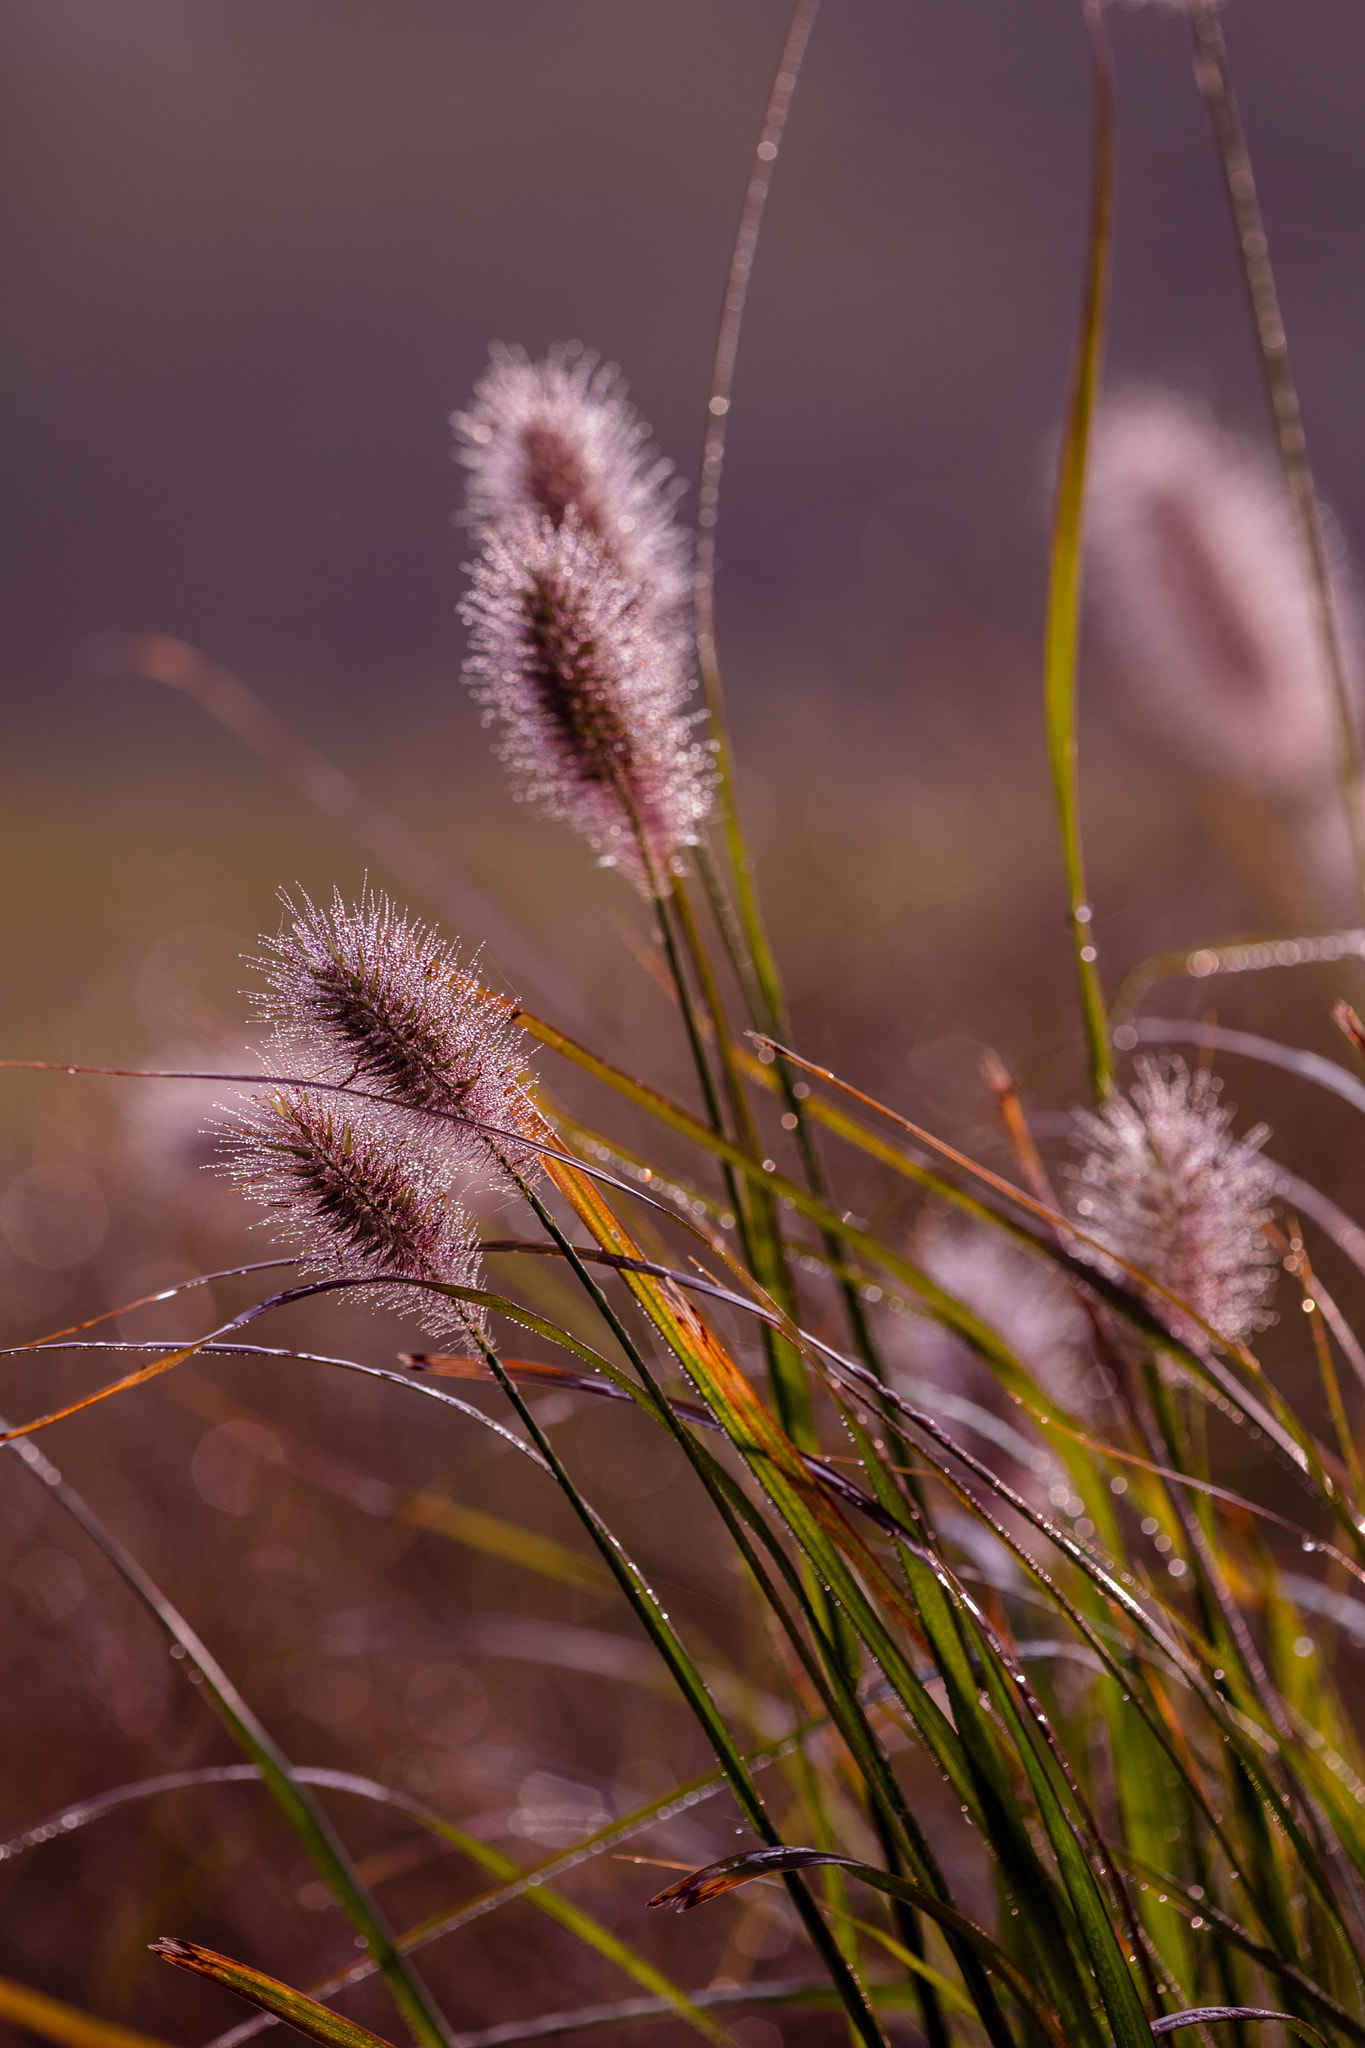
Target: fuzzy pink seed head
[588, 693]
[555, 439]
[1018, 1295]
[1200, 583]
[362, 1194]
[361, 994]
[1164, 1184]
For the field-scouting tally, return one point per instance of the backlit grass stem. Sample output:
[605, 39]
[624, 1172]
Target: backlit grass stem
[1062, 635]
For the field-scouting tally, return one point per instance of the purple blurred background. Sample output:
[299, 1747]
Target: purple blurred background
[254, 252]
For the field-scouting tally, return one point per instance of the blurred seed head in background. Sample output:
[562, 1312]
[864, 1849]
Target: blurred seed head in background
[1200, 583]
[1165, 1185]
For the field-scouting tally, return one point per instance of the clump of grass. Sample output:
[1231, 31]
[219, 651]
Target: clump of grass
[1028, 1716]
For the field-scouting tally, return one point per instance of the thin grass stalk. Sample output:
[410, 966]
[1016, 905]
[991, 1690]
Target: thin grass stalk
[1263, 1794]
[691, 1024]
[1232, 1933]
[718, 399]
[746, 935]
[892, 1493]
[767, 1254]
[730, 929]
[829, 1544]
[795, 1105]
[646, 1608]
[825, 1944]
[1062, 636]
[1214, 80]
[832, 1682]
[740, 1196]
[294, 1800]
[892, 1816]
[1226, 1627]
[1124, 1677]
[1112, 1971]
[911, 1931]
[760, 1234]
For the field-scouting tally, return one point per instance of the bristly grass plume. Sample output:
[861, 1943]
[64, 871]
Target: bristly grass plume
[1164, 1183]
[1022, 1298]
[369, 1180]
[556, 439]
[347, 1183]
[578, 646]
[364, 995]
[1199, 580]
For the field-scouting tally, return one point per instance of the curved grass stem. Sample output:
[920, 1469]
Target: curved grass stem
[1061, 642]
[294, 1800]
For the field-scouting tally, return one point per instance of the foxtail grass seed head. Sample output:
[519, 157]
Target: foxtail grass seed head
[1199, 580]
[367, 996]
[360, 1194]
[556, 439]
[588, 691]
[1020, 1297]
[1164, 1184]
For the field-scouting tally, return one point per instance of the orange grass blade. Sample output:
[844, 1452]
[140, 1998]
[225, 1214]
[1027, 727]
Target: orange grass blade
[291, 2006]
[52, 2020]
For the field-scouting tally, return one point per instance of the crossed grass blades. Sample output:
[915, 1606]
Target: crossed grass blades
[985, 1553]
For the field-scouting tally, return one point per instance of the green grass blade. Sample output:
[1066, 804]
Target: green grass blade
[718, 1878]
[649, 1612]
[1064, 583]
[1112, 1974]
[583, 1926]
[1230, 1930]
[764, 965]
[304, 1815]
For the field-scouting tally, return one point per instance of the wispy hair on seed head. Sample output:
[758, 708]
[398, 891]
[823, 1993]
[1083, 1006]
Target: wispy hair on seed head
[1164, 1184]
[555, 439]
[588, 691]
[359, 1193]
[1199, 579]
[369, 1183]
[362, 993]
[578, 646]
